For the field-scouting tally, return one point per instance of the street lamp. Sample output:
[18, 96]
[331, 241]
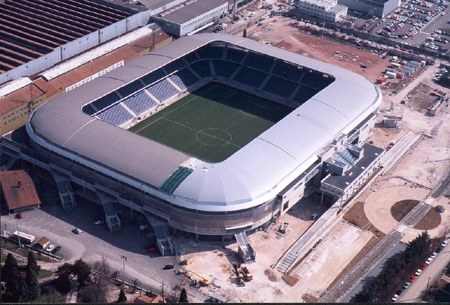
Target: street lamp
[18, 216]
[124, 258]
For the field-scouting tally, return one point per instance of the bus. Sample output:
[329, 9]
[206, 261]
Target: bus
[24, 237]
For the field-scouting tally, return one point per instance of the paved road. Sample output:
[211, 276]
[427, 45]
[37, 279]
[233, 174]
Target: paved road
[428, 277]
[372, 274]
[362, 269]
[96, 241]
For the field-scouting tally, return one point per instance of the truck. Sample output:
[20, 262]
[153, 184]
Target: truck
[247, 275]
[188, 260]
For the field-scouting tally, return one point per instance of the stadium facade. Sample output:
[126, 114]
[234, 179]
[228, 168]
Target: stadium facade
[81, 137]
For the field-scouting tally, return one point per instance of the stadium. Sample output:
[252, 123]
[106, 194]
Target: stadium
[212, 134]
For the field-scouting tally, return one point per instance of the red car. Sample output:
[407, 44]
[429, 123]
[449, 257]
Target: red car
[424, 266]
[152, 249]
[412, 278]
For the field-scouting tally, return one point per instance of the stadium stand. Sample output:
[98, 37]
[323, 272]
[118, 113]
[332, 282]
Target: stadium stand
[280, 86]
[235, 55]
[191, 57]
[153, 77]
[175, 65]
[286, 70]
[304, 94]
[258, 61]
[106, 101]
[201, 68]
[224, 68]
[174, 180]
[184, 78]
[89, 110]
[130, 88]
[163, 90]
[316, 80]
[115, 115]
[210, 52]
[140, 102]
[250, 77]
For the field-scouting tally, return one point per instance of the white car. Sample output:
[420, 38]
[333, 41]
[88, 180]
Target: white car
[395, 297]
[418, 272]
[429, 260]
[50, 248]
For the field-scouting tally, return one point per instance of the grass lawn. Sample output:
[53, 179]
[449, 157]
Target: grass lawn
[401, 208]
[213, 122]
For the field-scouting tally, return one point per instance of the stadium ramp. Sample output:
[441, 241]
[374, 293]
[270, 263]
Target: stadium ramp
[111, 218]
[65, 191]
[246, 251]
[161, 229]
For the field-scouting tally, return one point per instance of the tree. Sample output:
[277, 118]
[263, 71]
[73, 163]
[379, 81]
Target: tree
[16, 288]
[91, 294]
[122, 296]
[82, 270]
[32, 264]
[183, 296]
[102, 269]
[64, 276]
[33, 285]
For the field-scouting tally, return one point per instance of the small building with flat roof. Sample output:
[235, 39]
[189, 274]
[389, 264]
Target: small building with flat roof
[191, 16]
[18, 191]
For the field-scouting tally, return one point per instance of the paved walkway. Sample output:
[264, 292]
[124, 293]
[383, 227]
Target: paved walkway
[377, 208]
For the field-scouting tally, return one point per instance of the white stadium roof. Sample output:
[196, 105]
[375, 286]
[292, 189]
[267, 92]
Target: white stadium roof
[251, 176]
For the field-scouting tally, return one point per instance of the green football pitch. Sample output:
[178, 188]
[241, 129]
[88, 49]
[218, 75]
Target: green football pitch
[213, 122]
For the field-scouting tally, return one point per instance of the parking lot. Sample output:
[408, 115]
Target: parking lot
[415, 22]
[95, 242]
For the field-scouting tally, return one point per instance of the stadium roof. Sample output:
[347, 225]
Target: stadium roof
[251, 176]
[32, 28]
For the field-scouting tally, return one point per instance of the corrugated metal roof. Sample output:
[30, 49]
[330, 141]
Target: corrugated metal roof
[252, 175]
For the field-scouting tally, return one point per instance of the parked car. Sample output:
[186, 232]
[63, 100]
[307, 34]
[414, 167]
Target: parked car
[395, 297]
[152, 248]
[440, 208]
[76, 231]
[412, 278]
[168, 267]
[429, 260]
[143, 227]
[50, 248]
[423, 266]
[56, 250]
[99, 221]
[418, 272]
[406, 285]
[433, 255]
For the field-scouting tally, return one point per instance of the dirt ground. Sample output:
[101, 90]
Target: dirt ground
[284, 34]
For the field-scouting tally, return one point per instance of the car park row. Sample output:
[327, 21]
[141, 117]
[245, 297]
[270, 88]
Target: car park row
[419, 271]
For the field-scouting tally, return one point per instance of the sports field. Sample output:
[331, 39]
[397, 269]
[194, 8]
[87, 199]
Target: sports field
[213, 122]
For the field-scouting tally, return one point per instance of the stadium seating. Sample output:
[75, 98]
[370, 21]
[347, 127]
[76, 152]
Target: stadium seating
[224, 68]
[258, 61]
[106, 101]
[130, 88]
[235, 55]
[163, 90]
[115, 115]
[250, 77]
[287, 70]
[201, 68]
[184, 78]
[209, 52]
[153, 77]
[279, 86]
[88, 109]
[304, 94]
[191, 57]
[316, 80]
[175, 65]
[140, 102]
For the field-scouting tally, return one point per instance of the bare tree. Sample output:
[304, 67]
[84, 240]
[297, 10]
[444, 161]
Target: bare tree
[101, 278]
